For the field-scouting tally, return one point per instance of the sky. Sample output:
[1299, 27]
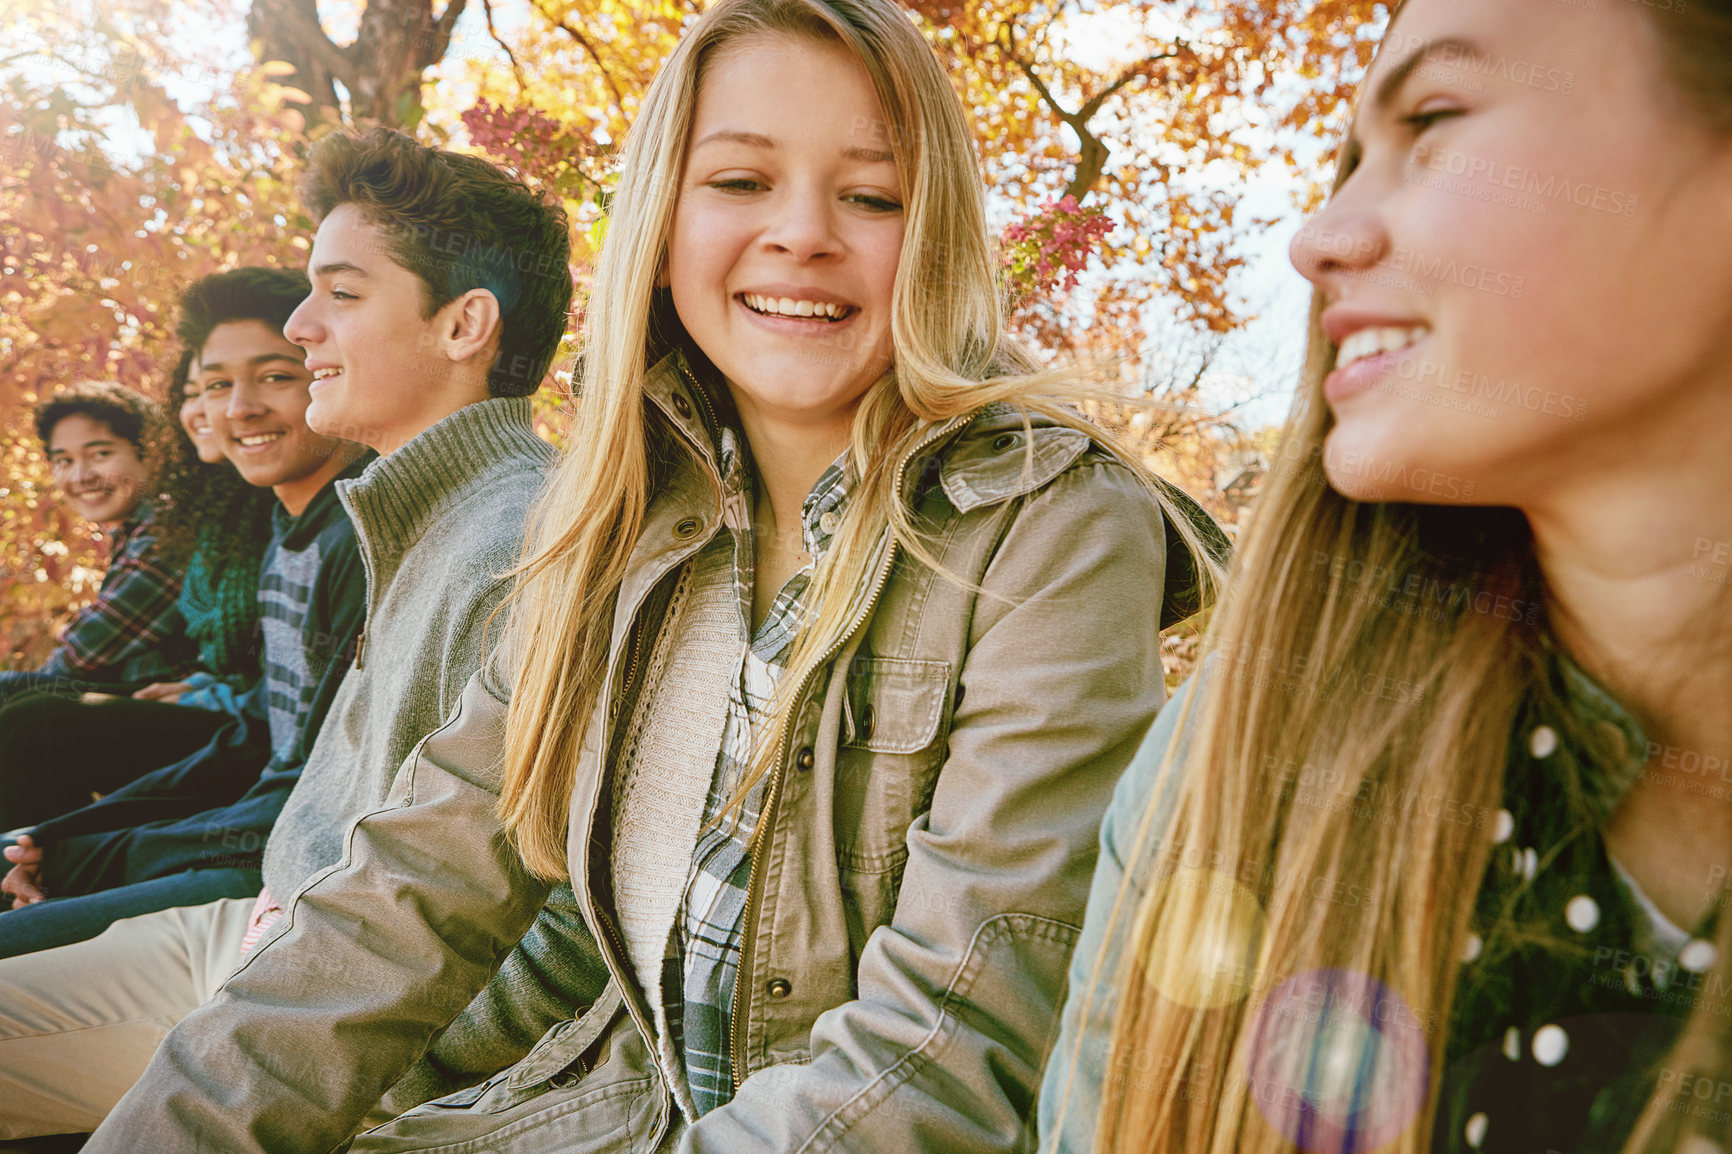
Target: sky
[1262, 359]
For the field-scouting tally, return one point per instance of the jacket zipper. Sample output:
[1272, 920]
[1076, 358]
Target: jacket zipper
[372, 609]
[703, 399]
[602, 916]
[631, 666]
[749, 918]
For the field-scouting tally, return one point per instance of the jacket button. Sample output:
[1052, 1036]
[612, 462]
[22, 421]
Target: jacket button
[687, 529]
[805, 760]
[865, 728]
[779, 988]
[682, 406]
[1004, 441]
[565, 1079]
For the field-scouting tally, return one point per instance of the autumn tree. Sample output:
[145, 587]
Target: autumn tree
[120, 180]
[96, 241]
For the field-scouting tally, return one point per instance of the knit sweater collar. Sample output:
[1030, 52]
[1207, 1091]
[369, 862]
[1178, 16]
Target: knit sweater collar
[399, 495]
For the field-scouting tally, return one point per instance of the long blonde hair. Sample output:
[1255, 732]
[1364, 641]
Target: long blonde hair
[1352, 641]
[951, 356]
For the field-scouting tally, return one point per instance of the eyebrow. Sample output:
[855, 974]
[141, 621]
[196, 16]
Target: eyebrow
[254, 362]
[730, 136]
[100, 443]
[759, 140]
[1390, 86]
[338, 266]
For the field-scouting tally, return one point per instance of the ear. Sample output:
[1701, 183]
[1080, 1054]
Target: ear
[469, 325]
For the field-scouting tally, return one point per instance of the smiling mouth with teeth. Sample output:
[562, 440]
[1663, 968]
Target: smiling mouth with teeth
[788, 307]
[1372, 342]
[254, 440]
[327, 374]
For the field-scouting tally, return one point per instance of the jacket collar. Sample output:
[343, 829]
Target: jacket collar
[983, 474]
[398, 496]
[994, 453]
[673, 389]
[297, 532]
[136, 521]
[1578, 733]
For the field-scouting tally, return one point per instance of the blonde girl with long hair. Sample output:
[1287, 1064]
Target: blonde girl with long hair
[835, 631]
[1430, 856]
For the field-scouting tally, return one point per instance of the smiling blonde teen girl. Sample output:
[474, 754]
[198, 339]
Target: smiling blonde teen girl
[831, 643]
[1436, 859]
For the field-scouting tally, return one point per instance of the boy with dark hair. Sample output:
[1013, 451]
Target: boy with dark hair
[96, 436]
[427, 327]
[192, 831]
[457, 224]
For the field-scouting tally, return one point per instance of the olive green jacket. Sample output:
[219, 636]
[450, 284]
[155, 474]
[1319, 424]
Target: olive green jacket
[924, 860]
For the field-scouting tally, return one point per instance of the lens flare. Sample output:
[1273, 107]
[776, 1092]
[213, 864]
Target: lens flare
[1338, 1062]
[1216, 964]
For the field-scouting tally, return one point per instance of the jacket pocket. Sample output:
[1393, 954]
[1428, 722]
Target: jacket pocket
[620, 1107]
[894, 705]
[893, 721]
[562, 1047]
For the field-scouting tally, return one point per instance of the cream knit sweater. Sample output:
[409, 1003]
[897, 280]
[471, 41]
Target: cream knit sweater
[666, 768]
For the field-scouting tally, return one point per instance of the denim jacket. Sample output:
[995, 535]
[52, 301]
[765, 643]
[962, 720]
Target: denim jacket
[1565, 1006]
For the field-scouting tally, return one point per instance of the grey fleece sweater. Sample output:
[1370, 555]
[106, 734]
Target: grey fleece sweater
[438, 521]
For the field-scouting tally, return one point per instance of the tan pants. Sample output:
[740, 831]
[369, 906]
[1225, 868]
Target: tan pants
[78, 1024]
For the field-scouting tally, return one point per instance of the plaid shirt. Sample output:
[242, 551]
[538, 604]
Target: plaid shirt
[133, 631]
[698, 977]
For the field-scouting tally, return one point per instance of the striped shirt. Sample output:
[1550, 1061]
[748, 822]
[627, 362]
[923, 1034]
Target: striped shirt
[698, 977]
[286, 582]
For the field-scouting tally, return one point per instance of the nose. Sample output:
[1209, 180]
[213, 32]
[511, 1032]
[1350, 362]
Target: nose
[1339, 243]
[83, 473]
[243, 401]
[303, 327]
[804, 225]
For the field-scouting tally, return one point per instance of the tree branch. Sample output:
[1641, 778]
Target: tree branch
[445, 25]
[1137, 71]
[583, 41]
[306, 34]
[516, 68]
[1093, 152]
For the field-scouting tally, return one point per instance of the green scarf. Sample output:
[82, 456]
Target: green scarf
[222, 607]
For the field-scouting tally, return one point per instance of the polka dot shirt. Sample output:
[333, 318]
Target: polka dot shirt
[1573, 985]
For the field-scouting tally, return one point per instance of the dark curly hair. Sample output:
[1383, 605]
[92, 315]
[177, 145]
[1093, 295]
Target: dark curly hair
[198, 503]
[210, 505]
[458, 223]
[253, 293]
[129, 414]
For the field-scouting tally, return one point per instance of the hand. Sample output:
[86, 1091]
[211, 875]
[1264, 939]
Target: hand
[166, 691]
[24, 880]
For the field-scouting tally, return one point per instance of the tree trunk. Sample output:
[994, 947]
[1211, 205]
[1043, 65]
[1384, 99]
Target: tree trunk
[381, 70]
[279, 30]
